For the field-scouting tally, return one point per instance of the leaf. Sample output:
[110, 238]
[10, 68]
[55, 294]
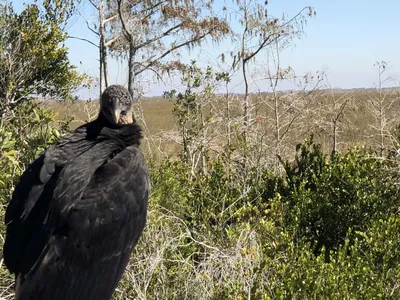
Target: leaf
[8, 145]
[11, 155]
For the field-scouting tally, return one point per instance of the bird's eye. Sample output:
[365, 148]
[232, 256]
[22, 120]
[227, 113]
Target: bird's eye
[123, 113]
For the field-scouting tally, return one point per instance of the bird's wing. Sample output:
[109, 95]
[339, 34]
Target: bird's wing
[111, 213]
[40, 172]
[89, 250]
[28, 226]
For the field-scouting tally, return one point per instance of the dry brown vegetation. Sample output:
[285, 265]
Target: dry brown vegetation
[350, 109]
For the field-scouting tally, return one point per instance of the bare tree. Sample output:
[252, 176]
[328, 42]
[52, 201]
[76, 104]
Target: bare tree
[90, 111]
[278, 118]
[148, 32]
[99, 30]
[102, 47]
[14, 70]
[290, 114]
[381, 108]
[258, 32]
[333, 114]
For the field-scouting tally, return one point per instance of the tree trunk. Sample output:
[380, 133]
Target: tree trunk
[103, 50]
[277, 131]
[334, 142]
[131, 69]
[246, 118]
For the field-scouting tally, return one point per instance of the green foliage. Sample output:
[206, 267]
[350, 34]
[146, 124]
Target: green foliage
[327, 197]
[33, 59]
[170, 180]
[191, 108]
[24, 134]
[58, 11]
[327, 229]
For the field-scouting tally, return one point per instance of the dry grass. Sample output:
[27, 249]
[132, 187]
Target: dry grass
[157, 112]
[161, 136]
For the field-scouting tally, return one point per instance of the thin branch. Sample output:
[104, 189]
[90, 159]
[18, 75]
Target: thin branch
[127, 34]
[268, 40]
[94, 4]
[158, 37]
[151, 9]
[158, 75]
[295, 16]
[83, 39]
[110, 19]
[110, 41]
[263, 44]
[88, 25]
[197, 38]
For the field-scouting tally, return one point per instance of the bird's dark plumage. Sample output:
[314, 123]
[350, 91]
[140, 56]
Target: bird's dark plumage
[79, 209]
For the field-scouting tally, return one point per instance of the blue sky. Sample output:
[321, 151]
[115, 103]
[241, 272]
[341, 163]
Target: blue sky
[346, 38]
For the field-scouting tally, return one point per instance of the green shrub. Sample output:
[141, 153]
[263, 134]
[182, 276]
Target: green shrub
[325, 197]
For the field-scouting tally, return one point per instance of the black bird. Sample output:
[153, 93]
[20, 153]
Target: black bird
[79, 209]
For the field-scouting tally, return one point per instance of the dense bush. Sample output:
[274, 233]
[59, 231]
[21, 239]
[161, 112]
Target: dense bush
[327, 197]
[328, 229]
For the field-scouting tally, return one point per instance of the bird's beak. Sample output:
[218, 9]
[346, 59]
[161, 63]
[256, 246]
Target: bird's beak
[116, 115]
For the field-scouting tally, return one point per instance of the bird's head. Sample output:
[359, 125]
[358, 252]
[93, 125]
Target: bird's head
[116, 105]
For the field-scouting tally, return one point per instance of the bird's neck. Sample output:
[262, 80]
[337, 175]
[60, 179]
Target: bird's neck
[103, 120]
[129, 134]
